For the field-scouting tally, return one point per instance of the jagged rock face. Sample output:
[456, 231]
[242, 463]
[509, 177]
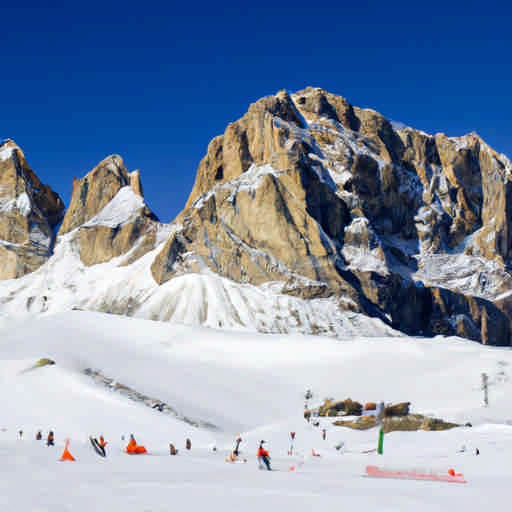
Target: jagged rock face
[333, 200]
[29, 211]
[95, 190]
[108, 211]
[242, 231]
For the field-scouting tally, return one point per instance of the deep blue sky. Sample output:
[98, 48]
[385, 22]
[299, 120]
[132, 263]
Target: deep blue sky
[156, 81]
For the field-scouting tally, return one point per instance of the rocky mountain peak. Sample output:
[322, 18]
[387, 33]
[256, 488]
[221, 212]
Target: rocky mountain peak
[256, 138]
[95, 190]
[332, 200]
[109, 213]
[135, 182]
[7, 147]
[29, 211]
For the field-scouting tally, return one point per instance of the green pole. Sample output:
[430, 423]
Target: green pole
[381, 442]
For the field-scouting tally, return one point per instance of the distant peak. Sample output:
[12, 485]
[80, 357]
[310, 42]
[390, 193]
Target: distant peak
[7, 147]
[283, 94]
[8, 142]
[112, 163]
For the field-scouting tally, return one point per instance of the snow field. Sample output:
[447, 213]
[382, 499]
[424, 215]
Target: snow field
[244, 383]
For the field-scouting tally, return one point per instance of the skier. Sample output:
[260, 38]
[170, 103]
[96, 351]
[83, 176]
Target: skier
[324, 434]
[292, 439]
[236, 451]
[263, 457]
[20, 432]
[188, 444]
[39, 435]
[172, 449]
[99, 445]
[50, 439]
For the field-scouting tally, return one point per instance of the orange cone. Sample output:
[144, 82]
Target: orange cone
[65, 454]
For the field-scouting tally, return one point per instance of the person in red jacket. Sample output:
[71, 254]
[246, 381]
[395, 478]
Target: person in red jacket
[263, 456]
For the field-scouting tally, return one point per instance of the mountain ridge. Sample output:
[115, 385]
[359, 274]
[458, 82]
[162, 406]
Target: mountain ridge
[315, 199]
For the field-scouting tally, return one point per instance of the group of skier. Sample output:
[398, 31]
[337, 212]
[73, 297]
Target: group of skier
[174, 451]
[50, 438]
[262, 454]
[100, 444]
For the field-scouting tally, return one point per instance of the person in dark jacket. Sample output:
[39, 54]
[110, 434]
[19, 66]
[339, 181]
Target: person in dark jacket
[236, 451]
[50, 441]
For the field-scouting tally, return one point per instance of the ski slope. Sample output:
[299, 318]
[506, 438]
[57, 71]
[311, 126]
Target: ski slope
[246, 383]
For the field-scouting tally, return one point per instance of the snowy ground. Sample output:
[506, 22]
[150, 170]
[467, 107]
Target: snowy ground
[244, 383]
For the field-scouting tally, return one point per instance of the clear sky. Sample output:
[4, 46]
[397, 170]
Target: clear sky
[156, 81]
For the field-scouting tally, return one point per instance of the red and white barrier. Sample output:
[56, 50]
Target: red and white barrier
[415, 474]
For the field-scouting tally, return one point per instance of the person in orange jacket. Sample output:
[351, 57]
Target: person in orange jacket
[50, 440]
[263, 456]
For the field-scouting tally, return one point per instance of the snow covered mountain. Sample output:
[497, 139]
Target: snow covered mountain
[307, 215]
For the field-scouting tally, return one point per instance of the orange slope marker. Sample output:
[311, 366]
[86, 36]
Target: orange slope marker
[65, 454]
[133, 448]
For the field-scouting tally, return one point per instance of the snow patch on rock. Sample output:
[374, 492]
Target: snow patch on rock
[6, 152]
[23, 204]
[120, 210]
[247, 181]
